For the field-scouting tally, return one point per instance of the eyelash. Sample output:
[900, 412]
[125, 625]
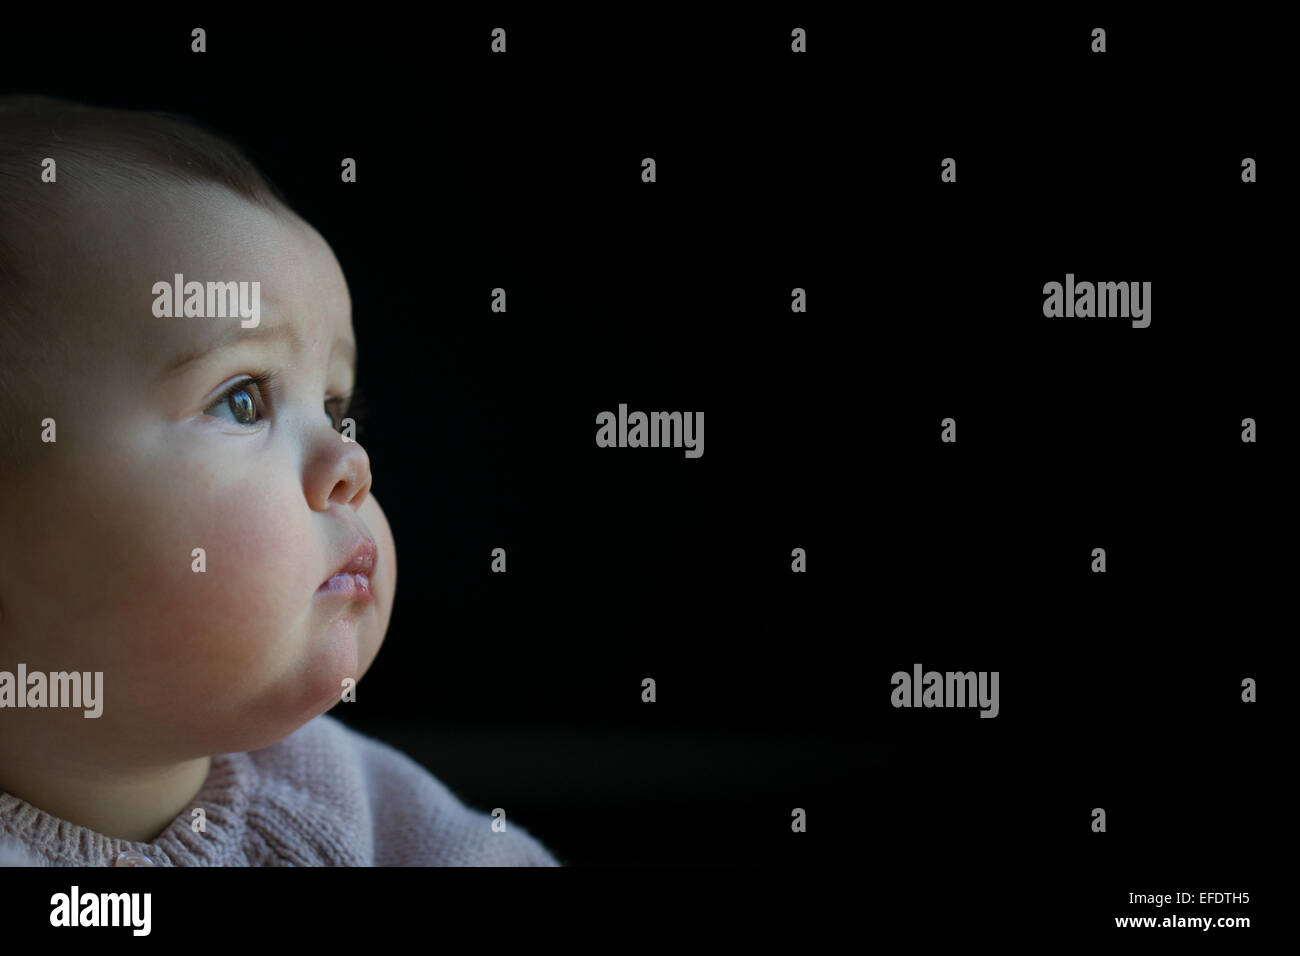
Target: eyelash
[351, 405]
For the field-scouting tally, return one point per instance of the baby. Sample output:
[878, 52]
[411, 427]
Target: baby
[182, 512]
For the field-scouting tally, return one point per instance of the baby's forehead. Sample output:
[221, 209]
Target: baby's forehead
[202, 226]
[119, 247]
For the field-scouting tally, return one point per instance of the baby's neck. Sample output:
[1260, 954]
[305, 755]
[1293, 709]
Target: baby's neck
[137, 808]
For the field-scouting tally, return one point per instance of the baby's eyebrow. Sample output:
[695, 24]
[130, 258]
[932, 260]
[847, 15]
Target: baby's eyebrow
[232, 336]
[348, 349]
[235, 335]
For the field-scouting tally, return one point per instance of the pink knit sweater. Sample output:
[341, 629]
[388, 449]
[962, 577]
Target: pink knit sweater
[323, 796]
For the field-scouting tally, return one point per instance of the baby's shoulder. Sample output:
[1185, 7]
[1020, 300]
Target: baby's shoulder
[417, 821]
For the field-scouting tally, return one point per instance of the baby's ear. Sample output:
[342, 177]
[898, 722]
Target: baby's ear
[13, 853]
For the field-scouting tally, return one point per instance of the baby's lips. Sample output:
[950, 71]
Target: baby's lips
[361, 559]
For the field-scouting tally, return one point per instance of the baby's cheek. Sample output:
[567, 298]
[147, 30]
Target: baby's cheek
[386, 579]
[227, 617]
[384, 583]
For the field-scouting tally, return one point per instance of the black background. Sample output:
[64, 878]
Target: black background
[819, 171]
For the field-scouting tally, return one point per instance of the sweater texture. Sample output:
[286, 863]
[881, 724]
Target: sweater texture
[325, 795]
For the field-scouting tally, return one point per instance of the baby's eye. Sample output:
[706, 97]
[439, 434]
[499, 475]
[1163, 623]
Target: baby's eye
[239, 401]
[335, 409]
[342, 407]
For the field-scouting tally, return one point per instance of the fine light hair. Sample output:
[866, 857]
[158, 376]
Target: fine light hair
[97, 152]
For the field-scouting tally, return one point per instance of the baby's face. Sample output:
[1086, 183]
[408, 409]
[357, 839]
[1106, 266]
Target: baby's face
[97, 562]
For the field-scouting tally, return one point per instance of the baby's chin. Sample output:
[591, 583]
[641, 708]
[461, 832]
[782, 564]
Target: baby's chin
[271, 724]
[329, 680]
[253, 695]
[332, 674]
